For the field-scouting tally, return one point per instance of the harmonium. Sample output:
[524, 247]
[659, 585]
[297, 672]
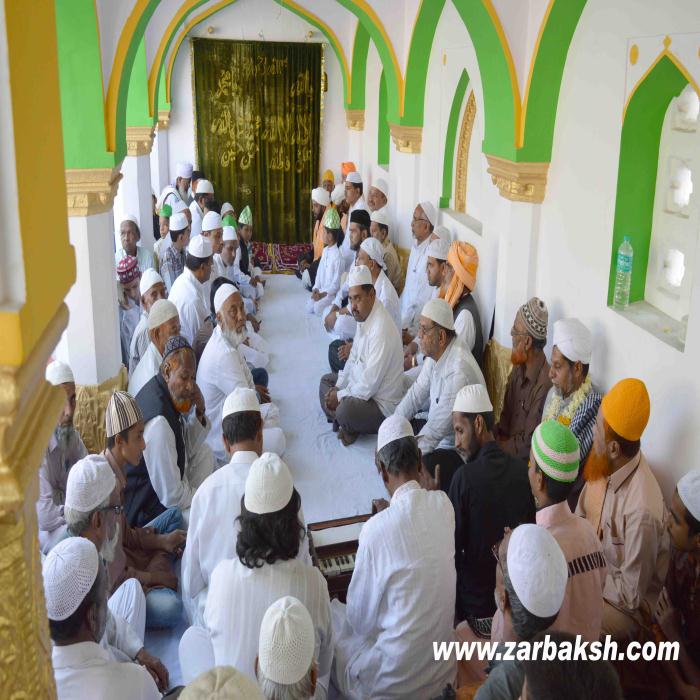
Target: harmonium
[333, 545]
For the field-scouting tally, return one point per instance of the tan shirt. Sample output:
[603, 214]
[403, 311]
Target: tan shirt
[635, 541]
[393, 265]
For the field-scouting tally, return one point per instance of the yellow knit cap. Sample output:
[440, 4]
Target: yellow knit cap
[626, 408]
[328, 175]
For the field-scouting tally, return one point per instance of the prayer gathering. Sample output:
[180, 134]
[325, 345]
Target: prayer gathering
[359, 360]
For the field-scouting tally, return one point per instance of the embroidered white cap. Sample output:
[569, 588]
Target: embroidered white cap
[269, 485]
[374, 249]
[130, 217]
[161, 312]
[393, 428]
[429, 211]
[354, 177]
[240, 399]
[200, 247]
[224, 292]
[338, 194]
[58, 373]
[204, 187]
[178, 222]
[443, 233]
[381, 184]
[226, 207]
[90, 483]
[689, 492]
[473, 398]
[230, 233]
[320, 196]
[438, 249]
[211, 221]
[381, 216]
[222, 683]
[359, 275]
[184, 170]
[440, 311]
[149, 279]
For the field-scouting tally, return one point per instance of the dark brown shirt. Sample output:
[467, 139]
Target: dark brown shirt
[683, 588]
[522, 407]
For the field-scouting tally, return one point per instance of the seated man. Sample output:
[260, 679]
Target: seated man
[252, 283]
[65, 448]
[448, 367]
[75, 589]
[223, 368]
[379, 229]
[176, 459]
[163, 323]
[151, 288]
[164, 214]
[356, 202]
[189, 291]
[369, 388]
[174, 256]
[213, 229]
[203, 192]
[631, 527]
[402, 592]
[129, 277]
[330, 268]
[178, 190]
[320, 201]
[377, 195]
[130, 236]
[528, 382]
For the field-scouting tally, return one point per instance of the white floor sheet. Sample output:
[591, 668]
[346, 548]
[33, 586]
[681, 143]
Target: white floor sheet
[334, 481]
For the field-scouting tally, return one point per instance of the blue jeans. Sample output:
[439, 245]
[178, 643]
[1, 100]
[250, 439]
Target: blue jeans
[260, 376]
[167, 521]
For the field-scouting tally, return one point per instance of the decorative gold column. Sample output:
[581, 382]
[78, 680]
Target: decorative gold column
[519, 182]
[407, 139]
[163, 119]
[139, 140]
[355, 119]
[91, 190]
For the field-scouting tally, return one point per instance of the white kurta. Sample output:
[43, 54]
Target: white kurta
[330, 270]
[466, 328]
[147, 368]
[401, 599]
[139, 342]
[189, 296]
[144, 257]
[436, 386]
[416, 290]
[239, 597]
[374, 369]
[197, 216]
[347, 252]
[169, 195]
[85, 670]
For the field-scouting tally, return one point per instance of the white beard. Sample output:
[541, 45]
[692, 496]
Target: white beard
[182, 191]
[234, 337]
[63, 434]
[109, 547]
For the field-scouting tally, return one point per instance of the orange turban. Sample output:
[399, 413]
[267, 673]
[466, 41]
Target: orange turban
[465, 261]
[626, 408]
[347, 167]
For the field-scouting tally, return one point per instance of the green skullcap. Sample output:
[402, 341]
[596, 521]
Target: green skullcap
[245, 218]
[556, 451]
[331, 218]
[229, 220]
[166, 211]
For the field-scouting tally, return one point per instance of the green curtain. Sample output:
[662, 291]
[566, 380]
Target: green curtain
[257, 129]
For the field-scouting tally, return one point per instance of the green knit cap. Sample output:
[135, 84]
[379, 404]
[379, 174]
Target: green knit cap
[245, 218]
[556, 451]
[229, 220]
[331, 218]
[166, 211]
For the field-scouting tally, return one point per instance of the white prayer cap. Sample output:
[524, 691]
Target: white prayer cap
[161, 312]
[240, 399]
[200, 247]
[178, 222]
[269, 485]
[230, 233]
[90, 483]
[429, 211]
[438, 249]
[473, 398]
[574, 340]
[359, 275]
[537, 569]
[354, 177]
[338, 193]
[224, 292]
[381, 184]
[204, 187]
[130, 217]
[69, 572]
[184, 170]
[149, 279]
[226, 207]
[287, 641]
[381, 216]
[440, 311]
[321, 196]
[177, 206]
[393, 428]
[222, 683]
[443, 233]
[374, 249]
[689, 492]
[211, 221]
[58, 372]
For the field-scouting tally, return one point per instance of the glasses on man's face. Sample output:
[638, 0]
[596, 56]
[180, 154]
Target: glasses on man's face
[422, 330]
[118, 509]
[419, 218]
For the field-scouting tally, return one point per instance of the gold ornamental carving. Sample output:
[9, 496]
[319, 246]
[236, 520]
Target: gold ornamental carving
[407, 139]
[91, 190]
[465, 138]
[355, 119]
[139, 140]
[163, 119]
[519, 182]
[497, 367]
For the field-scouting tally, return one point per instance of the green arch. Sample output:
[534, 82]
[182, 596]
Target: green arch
[451, 138]
[638, 165]
[383, 131]
[358, 72]
[137, 112]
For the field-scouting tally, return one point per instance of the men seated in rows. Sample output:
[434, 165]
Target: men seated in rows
[190, 290]
[175, 255]
[369, 388]
[355, 201]
[223, 368]
[130, 235]
[176, 458]
[330, 268]
[178, 190]
[213, 229]
[489, 493]
[163, 215]
[151, 288]
[573, 400]
[265, 568]
[320, 201]
[129, 278]
[75, 590]
[328, 180]
[378, 194]
[203, 192]
[631, 526]
[448, 367]
[402, 592]
[65, 448]
[528, 382]
[379, 229]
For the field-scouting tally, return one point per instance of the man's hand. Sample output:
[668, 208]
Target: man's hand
[200, 407]
[344, 350]
[174, 541]
[315, 295]
[345, 311]
[332, 399]
[155, 667]
[406, 337]
[429, 483]
[263, 393]
[329, 320]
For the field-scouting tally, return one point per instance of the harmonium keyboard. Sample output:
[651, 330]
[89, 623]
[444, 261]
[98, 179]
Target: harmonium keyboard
[333, 545]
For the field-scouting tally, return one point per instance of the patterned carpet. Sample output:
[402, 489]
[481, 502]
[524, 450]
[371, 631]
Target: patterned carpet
[279, 258]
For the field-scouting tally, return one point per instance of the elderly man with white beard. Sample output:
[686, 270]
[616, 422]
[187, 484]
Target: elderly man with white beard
[222, 368]
[178, 190]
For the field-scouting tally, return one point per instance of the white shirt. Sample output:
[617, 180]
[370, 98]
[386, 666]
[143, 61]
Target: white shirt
[389, 298]
[147, 368]
[189, 296]
[239, 597]
[330, 269]
[416, 290]
[347, 252]
[437, 385]
[120, 635]
[85, 670]
[144, 257]
[197, 216]
[465, 328]
[169, 195]
[139, 342]
[401, 599]
[374, 369]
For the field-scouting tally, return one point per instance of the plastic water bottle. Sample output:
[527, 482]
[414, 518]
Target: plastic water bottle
[623, 274]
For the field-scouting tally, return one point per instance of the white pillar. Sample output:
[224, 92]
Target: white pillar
[160, 175]
[134, 197]
[406, 195]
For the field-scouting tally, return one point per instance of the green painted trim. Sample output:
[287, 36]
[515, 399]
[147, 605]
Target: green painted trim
[638, 166]
[358, 71]
[160, 99]
[451, 139]
[419, 60]
[137, 111]
[383, 131]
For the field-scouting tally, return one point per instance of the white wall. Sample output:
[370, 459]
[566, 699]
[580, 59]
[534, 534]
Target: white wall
[244, 20]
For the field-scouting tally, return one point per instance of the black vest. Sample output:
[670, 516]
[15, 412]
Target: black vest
[141, 502]
[467, 303]
[245, 261]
